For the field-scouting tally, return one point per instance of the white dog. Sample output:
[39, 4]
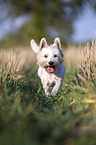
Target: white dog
[50, 60]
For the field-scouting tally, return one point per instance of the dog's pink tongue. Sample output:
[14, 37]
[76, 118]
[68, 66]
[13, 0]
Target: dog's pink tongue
[50, 69]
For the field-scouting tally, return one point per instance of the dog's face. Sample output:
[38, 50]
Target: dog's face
[49, 57]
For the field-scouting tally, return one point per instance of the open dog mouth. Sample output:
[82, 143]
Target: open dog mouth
[50, 69]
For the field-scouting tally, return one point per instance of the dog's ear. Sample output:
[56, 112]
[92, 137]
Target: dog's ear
[43, 43]
[58, 43]
[34, 46]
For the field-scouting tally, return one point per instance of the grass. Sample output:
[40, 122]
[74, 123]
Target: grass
[27, 117]
[87, 67]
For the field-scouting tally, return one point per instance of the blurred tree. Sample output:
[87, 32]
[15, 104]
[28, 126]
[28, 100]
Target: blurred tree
[49, 18]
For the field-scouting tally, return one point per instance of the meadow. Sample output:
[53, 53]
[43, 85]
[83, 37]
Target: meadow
[27, 117]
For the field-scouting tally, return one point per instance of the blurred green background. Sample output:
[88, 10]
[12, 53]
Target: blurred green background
[42, 18]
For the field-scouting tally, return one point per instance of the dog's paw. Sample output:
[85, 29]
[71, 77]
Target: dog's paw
[47, 94]
[53, 93]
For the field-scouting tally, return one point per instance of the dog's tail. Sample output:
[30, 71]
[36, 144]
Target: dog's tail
[34, 46]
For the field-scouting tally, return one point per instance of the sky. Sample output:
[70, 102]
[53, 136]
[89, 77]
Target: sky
[84, 26]
[12, 25]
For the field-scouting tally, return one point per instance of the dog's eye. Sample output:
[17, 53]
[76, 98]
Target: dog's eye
[55, 55]
[45, 56]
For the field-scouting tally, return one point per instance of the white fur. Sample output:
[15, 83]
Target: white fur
[34, 46]
[54, 54]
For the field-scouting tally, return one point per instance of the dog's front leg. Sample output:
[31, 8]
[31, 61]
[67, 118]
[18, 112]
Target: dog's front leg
[46, 88]
[56, 87]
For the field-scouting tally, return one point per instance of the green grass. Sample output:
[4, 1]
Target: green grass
[27, 117]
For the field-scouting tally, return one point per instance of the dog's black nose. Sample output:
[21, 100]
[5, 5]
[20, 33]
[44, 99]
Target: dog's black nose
[51, 62]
